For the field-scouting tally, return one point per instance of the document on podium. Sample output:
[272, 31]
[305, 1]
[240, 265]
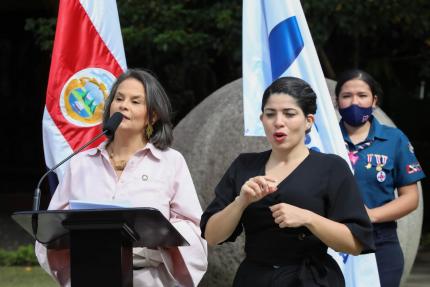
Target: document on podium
[92, 204]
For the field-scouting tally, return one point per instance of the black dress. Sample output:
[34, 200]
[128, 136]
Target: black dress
[322, 183]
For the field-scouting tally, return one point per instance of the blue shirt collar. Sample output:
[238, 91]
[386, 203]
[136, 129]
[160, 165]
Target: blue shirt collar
[376, 131]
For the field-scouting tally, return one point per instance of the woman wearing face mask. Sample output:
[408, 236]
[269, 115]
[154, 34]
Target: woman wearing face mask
[291, 202]
[383, 160]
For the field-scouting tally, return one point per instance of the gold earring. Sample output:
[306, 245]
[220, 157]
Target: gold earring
[149, 131]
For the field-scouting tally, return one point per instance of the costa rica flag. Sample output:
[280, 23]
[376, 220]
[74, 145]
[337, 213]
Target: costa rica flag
[87, 57]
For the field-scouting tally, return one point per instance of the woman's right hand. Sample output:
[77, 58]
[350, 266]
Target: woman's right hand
[256, 188]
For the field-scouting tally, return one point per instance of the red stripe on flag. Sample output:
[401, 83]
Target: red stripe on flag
[77, 46]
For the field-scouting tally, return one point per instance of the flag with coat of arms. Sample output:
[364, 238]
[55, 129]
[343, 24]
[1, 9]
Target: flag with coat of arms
[87, 57]
[277, 42]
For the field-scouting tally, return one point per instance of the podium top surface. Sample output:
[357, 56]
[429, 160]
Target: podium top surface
[146, 227]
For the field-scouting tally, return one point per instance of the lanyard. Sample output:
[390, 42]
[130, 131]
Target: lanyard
[352, 152]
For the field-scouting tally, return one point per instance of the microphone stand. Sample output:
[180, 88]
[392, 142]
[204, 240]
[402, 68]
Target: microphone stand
[37, 191]
[108, 130]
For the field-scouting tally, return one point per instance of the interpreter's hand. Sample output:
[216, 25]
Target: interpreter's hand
[59, 262]
[287, 215]
[256, 188]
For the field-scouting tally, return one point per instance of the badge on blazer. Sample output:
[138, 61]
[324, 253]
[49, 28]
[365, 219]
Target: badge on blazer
[381, 176]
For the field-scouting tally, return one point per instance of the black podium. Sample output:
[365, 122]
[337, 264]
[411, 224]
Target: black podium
[100, 240]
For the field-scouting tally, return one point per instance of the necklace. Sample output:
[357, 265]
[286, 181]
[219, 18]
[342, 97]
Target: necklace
[117, 165]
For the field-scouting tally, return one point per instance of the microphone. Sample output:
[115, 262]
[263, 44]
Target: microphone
[108, 130]
[112, 124]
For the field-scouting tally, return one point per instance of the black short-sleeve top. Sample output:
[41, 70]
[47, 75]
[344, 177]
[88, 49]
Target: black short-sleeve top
[322, 183]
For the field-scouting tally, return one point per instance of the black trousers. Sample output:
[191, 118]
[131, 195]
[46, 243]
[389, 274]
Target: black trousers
[328, 273]
[389, 255]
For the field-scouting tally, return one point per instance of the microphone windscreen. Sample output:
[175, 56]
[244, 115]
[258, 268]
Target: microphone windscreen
[112, 124]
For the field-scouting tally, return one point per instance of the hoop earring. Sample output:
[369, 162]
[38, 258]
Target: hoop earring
[149, 130]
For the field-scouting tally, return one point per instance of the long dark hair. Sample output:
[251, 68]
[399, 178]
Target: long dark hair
[157, 104]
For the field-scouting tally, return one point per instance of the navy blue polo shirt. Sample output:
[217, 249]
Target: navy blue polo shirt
[386, 162]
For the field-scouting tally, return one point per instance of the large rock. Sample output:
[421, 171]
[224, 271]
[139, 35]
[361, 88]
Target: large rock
[210, 137]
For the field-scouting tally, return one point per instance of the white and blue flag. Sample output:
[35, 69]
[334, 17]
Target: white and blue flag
[277, 42]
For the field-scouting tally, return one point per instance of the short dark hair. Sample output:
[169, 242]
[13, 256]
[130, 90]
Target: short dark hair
[296, 88]
[157, 103]
[357, 74]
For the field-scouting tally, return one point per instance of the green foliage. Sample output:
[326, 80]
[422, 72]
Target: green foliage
[25, 277]
[397, 30]
[388, 38]
[44, 31]
[194, 46]
[23, 256]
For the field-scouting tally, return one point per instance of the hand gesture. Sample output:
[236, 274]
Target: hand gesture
[287, 215]
[256, 188]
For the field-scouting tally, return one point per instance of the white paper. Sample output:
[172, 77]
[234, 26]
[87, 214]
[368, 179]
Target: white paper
[86, 204]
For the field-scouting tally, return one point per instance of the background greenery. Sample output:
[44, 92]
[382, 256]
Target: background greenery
[195, 47]
[20, 268]
[25, 277]
[23, 256]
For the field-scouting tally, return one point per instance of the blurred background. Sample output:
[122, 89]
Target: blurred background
[195, 47]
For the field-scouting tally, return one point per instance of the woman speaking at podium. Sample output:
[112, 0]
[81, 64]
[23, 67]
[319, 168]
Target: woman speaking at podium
[137, 167]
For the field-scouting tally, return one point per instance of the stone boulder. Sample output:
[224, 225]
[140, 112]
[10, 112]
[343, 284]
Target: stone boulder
[211, 136]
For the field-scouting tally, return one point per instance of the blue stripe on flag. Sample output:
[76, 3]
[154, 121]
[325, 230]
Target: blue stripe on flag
[285, 44]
